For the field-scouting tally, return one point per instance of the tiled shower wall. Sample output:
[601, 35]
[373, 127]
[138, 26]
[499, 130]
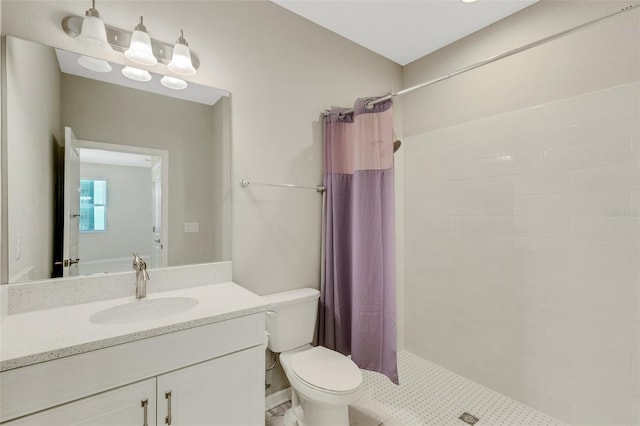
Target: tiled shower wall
[522, 254]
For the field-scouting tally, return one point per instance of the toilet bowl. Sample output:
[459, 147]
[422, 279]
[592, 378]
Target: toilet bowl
[323, 382]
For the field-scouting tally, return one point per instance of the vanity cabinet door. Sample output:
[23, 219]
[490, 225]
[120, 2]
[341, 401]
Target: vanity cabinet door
[123, 406]
[224, 391]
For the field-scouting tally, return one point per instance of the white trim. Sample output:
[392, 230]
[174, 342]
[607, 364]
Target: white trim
[277, 398]
[25, 274]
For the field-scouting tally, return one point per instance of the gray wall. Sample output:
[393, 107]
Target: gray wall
[521, 197]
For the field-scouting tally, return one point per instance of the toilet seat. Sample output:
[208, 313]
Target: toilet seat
[326, 370]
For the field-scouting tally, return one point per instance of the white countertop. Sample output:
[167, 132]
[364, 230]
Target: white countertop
[38, 336]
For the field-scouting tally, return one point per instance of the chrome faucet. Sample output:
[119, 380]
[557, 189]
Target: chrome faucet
[140, 267]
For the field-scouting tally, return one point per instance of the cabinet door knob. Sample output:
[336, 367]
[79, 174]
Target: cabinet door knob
[144, 404]
[167, 396]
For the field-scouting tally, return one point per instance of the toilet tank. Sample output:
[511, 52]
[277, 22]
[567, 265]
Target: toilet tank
[291, 319]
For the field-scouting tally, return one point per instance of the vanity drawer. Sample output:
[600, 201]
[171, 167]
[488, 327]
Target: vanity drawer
[38, 387]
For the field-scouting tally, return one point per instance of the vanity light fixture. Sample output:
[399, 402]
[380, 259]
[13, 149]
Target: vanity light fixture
[136, 74]
[93, 33]
[137, 46]
[94, 64]
[140, 50]
[173, 83]
[468, 1]
[181, 59]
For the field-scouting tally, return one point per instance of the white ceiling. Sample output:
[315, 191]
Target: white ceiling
[404, 30]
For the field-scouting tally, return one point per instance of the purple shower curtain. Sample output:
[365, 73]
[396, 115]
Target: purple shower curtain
[357, 304]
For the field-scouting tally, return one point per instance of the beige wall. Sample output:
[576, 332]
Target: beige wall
[3, 205]
[599, 57]
[221, 122]
[521, 213]
[34, 136]
[283, 71]
[184, 129]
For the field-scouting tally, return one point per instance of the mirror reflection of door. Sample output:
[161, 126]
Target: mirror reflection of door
[119, 201]
[157, 244]
[70, 247]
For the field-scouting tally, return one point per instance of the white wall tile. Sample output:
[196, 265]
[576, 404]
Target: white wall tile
[417, 189]
[588, 203]
[525, 247]
[541, 226]
[607, 128]
[635, 202]
[612, 228]
[541, 139]
[529, 205]
[609, 178]
[508, 164]
[607, 104]
[480, 187]
[542, 183]
[591, 155]
[482, 206]
[435, 239]
[483, 225]
[594, 253]
[503, 245]
[593, 290]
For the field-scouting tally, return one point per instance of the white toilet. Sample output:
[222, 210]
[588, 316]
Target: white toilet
[323, 382]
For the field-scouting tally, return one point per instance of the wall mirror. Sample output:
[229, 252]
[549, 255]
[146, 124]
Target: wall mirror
[96, 166]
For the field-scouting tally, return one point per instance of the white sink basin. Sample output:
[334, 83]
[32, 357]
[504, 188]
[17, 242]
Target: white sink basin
[143, 310]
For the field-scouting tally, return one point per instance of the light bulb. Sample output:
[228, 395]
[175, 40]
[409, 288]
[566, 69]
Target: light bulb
[93, 33]
[173, 83]
[140, 50]
[94, 64]
[181, 58]
[136, 74]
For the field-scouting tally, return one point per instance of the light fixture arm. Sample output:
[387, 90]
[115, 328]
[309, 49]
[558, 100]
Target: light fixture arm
[140, 26]
[93, 11]
[120, 39]
[181, 39]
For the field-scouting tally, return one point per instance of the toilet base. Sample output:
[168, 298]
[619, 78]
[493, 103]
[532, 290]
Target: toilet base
[319, 407]
[312, 413]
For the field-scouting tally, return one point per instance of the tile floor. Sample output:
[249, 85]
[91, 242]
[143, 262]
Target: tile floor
[364, 413]
[430, 395]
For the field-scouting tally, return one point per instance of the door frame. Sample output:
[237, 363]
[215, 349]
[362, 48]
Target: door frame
[164, 180]
[71, 204]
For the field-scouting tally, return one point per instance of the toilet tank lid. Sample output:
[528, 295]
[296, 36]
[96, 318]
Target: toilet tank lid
[289, 297]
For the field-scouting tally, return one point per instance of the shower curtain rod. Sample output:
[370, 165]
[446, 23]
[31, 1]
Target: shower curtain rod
[495, 58]
[244, 183]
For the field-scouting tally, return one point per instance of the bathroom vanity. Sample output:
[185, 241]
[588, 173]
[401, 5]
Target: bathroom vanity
[154, 361]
